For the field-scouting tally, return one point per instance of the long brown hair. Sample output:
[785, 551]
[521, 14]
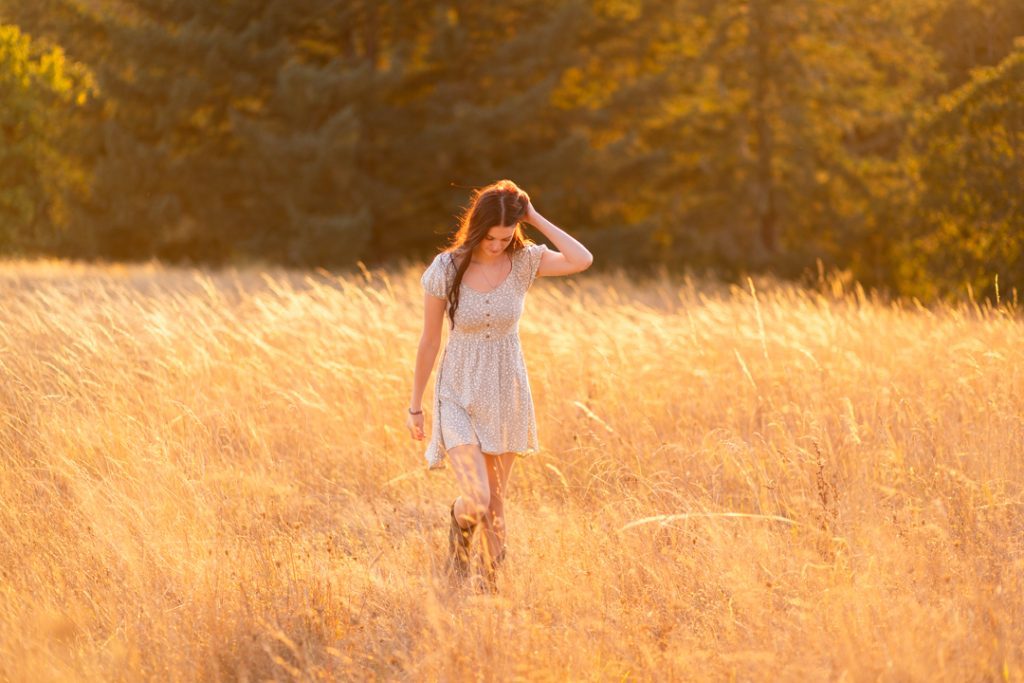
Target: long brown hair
[499, 204]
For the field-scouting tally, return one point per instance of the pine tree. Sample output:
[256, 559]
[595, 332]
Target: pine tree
[756, 123]
[968, 214]
[972, 33]
[223, 141]
[479, 86]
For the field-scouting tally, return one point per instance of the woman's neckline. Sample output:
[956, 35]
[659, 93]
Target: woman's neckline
[500, 285]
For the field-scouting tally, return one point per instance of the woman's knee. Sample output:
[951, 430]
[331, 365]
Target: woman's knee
[471, 473]
[478, 502]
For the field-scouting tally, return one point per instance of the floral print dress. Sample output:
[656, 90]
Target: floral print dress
[482, 392]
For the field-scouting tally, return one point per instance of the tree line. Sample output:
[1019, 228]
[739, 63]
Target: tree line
[884, 137]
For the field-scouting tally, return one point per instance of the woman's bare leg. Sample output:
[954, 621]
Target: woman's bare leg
[499, 468]
[470, 469]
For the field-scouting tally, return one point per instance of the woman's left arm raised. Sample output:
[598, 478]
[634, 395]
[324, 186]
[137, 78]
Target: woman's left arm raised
[571, 257]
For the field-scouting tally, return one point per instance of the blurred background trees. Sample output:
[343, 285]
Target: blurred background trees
[966, 222]
[731, 135]
[40, 93]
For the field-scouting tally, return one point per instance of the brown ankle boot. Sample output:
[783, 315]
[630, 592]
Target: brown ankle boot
[458, 546]
[491, 571]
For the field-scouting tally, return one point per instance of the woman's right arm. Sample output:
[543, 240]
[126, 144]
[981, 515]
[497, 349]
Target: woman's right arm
[426, 354]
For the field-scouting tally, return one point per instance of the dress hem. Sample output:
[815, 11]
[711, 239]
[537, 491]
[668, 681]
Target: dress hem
[442, 462]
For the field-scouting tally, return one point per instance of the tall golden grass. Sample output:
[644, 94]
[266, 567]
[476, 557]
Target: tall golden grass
[206, 476]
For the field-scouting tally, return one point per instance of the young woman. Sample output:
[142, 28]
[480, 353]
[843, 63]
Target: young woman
[483, 414]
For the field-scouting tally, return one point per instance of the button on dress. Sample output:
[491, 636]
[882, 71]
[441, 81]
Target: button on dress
[482, 392]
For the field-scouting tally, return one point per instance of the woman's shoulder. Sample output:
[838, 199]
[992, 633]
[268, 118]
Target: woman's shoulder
[438, 275]
[443, 261]
[529, 259]
[531, 249]
[531, 253]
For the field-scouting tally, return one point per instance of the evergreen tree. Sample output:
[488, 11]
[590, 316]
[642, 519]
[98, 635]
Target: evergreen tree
[969, 34]
[223, 141]
[756, 123]
[968, 216]
[480, 91]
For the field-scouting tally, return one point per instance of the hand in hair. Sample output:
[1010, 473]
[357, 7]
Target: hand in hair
[530, 215]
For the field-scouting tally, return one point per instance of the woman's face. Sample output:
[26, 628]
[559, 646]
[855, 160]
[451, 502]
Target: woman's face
[496, 240]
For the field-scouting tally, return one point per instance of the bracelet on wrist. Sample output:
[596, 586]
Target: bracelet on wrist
[415, 412]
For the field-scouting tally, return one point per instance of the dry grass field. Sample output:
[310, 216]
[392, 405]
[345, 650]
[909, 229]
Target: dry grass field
[206, 476]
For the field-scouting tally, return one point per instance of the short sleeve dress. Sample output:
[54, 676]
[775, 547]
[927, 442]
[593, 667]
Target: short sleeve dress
[482, 392]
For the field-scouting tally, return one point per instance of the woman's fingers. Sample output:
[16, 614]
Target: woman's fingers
[415, 425]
